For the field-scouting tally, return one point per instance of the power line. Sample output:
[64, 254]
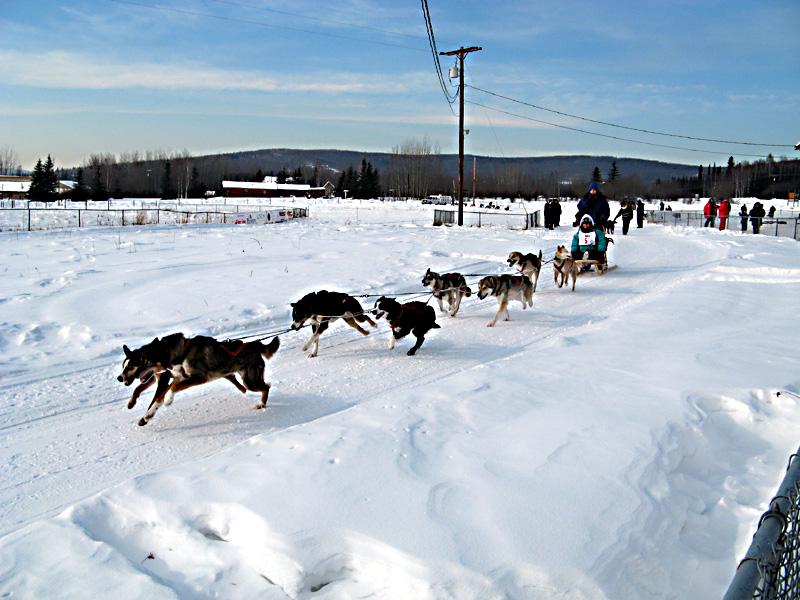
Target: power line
[687, 137]
[261, 23]
[613, 137]
[435, 52]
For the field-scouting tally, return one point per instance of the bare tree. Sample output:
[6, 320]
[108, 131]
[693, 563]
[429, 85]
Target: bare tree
[415, 168]
[9, 161]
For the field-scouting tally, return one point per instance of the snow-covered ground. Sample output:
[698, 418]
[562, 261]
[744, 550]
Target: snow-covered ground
[616, 442]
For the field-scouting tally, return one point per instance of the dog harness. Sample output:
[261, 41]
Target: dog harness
[403, 307]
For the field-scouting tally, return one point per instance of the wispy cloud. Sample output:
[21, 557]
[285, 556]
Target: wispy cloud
[69, 70]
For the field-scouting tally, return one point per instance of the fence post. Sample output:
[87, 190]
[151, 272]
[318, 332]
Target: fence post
[762, 551]
[29, 216]
[79, 218]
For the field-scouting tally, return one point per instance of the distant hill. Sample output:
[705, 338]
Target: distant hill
[565, 167]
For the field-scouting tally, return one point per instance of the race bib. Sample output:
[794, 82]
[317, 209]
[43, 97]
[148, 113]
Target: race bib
[587, 238]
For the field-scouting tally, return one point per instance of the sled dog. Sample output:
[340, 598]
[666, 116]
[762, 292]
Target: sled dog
[413, 317]
[564, 266]
[450, 286]
[195, 361]
[323, 307]
[527, 264]
[506, 288]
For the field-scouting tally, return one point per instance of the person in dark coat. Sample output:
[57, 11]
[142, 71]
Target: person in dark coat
[743, 216]
[594, 204]
[639, 214]
[626, 211]
[771, 212]
[757, 214]
[548, 212]
[556, 214]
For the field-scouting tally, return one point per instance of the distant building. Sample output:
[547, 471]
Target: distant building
[14, 188]
[270, 188]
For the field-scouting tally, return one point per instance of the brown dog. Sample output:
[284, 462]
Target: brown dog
[527, 264]
[564, 266]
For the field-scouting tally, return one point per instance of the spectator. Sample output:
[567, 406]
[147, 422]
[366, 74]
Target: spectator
[723, 211]
[626, 211]
[556, 214]
[639, 214]
[771, 213]
[710, 211]
[757, 214]
[743, 216]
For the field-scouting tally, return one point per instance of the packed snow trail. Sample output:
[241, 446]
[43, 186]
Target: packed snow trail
[74, 435]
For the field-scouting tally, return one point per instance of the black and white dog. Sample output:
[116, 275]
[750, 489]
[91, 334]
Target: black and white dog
[321, 308]
[449, 286]
[413, 317]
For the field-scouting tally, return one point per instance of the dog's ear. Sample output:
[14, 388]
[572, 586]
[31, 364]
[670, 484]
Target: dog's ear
[126, 350]
[293, 304]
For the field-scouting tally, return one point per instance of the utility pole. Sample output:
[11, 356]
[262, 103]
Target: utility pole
[461, 53]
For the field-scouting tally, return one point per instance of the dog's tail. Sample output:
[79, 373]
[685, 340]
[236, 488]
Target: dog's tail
[270, 349]
[467, 290]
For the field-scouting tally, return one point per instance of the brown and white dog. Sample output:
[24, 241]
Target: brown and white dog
[564, 266]
[527, 264]
[195, 361]
[506, 288]
[450, 286]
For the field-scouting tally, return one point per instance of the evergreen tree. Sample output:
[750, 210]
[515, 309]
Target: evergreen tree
[258, 177]
[731, 165]
[196, 189]
[99, 191]
[49, 181]
[36, 190]
[283, 175]
[297, 176]
[614, 172]
[79, 192]
[596, 176]
[167, 187]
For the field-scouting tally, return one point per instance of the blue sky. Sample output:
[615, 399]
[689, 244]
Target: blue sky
[99, 76]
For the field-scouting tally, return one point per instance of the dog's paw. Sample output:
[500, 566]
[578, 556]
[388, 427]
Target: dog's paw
[411, 352]
[258, 407]
[312, 355]
[131, 404]
[142, 422]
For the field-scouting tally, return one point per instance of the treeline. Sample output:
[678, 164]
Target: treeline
[763, 179]
[414, 169]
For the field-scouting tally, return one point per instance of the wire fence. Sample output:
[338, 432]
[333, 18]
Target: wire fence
[770, 569]
[35, 218]
[490, 218]
[782, 224]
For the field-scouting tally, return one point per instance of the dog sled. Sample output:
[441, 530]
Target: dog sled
[599, 267]
[594, 266]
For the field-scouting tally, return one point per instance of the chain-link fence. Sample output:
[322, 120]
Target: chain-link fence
[771, 568]
[30, 219]
[490, 218]
[782, 224]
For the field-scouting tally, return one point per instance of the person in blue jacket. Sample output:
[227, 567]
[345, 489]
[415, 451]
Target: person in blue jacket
[594, 204]
[589, 242]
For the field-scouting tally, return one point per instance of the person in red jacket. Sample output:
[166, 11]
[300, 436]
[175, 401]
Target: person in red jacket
[710, 211]
[723, 211]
